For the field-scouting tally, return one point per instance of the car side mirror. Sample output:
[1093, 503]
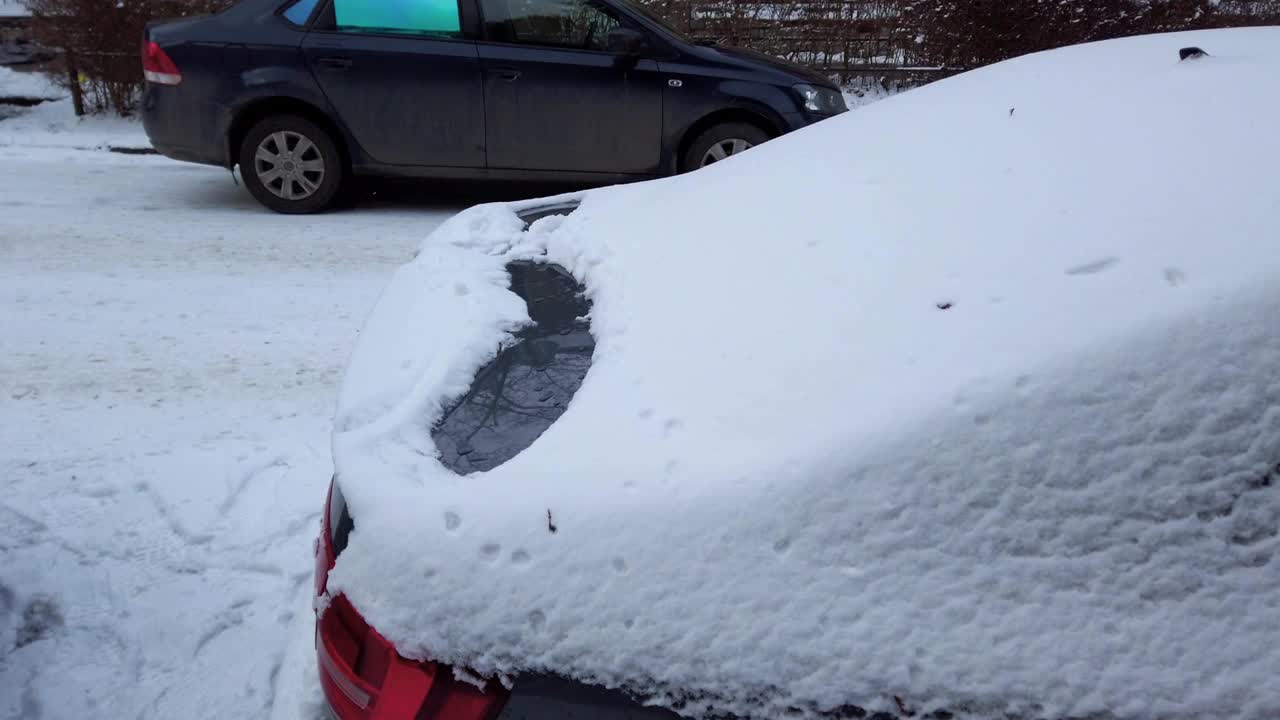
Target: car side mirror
[625, 41]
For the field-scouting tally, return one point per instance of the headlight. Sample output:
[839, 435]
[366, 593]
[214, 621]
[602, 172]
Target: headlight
[821, 100]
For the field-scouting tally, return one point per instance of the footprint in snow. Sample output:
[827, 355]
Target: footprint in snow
[41, 617]
[452, 521]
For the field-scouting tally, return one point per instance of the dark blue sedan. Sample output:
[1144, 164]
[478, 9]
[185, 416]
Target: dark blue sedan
[303, 95]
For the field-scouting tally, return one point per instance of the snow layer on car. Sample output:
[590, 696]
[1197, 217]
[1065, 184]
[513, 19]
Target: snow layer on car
[969, 398]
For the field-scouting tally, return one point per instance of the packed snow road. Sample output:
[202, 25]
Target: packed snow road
[168, 357]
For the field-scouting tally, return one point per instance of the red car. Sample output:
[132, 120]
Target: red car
[362, 674]
[980, 421]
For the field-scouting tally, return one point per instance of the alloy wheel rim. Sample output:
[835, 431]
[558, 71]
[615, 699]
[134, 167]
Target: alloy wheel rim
[723, 149]
[289, 165]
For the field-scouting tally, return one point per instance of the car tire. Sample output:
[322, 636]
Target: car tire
[719, 142]
[291, 165]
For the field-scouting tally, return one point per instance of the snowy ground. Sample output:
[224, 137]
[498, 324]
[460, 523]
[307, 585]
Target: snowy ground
[54, 124]
[856, 97]
[28, 84]
[167, 377]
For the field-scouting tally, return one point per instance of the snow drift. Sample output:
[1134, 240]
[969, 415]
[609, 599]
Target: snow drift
[969, 398]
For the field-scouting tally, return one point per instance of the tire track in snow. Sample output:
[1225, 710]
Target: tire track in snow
[34, 529]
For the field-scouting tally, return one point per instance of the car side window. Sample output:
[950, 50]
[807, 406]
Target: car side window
[300, 11]
[573, 24]
[403, 17]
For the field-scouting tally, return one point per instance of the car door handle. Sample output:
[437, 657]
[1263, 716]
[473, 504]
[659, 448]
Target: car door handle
[336, 63]
[508, 74]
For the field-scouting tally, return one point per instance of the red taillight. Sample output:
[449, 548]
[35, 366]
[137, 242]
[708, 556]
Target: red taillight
[364, 678]
[362, 675]
[157, 67]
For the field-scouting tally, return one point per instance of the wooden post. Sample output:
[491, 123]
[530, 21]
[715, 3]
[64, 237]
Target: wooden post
[73, 80]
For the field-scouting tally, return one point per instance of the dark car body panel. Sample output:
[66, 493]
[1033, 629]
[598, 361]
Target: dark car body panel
[575, 110]
[364, 78]
[490, 110]
[753, 61]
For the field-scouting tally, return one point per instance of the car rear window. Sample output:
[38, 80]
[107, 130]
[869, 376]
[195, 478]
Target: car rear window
[528, 386]
[430, 17]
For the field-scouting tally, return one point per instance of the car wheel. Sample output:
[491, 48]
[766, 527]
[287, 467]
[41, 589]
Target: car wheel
[291, 165]
[720, 142]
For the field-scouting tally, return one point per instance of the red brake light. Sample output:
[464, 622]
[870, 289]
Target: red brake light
[362, 675]
[157, 67]
[364, 678]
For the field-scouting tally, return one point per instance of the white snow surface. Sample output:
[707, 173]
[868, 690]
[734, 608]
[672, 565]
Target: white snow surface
[13, 8]
[55, 125]
[792, 481]
[169, 356]
[28, 85]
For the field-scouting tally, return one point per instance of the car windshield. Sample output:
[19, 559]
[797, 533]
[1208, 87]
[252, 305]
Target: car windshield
[641, 9]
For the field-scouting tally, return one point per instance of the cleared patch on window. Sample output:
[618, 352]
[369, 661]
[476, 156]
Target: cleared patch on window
[528, 386]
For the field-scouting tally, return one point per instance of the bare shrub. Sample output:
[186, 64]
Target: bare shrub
[869, 43]
[964, 34]
[864, 43]
[100, 42]
[856, 41]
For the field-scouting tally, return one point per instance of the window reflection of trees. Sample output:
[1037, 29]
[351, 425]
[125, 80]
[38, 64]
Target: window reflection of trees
[563, 23]
[519, 394]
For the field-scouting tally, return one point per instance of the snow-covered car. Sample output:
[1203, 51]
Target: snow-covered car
[966, 402]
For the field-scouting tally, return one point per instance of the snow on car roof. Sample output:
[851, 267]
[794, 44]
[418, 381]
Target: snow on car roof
[966, 400]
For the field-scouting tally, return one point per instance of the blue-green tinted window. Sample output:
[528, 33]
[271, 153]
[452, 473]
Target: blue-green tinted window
[300, 11]
[412, 16]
